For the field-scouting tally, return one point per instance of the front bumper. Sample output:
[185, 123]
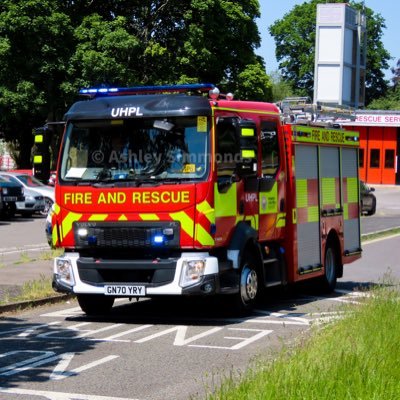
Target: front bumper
[86, 275]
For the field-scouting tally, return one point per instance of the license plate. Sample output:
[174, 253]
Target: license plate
[10, 198]
[124, 290]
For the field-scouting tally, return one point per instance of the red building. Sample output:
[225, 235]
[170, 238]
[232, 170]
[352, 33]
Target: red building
[379, 145]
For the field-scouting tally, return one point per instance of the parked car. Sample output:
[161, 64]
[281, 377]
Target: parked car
[10, 194]
[33, 203]
[368, 199]
[34, 188]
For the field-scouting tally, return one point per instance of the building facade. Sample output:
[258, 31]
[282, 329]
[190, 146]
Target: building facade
[379, 145]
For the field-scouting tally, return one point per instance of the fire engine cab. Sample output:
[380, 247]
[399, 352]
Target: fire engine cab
[166, 190]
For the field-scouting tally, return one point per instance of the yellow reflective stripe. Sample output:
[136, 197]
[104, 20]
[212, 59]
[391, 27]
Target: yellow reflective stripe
[149, 217]
[345, 211]
[54, 235]
[281, 220]
[301, 193]
[248, 154]
[203, 237]
[294, 216]
[38, 138]
[247, 132]
[207, 211]
[328, 191]
[268, 201]
[66, 225]
[37, 159]
[313, 214]
[186, 222]
[56, 208]
[98, 217]
[247, 111]
[352, 190]
[225, 203]
[122, 217]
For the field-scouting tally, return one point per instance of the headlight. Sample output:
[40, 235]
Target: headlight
[64, 271]
[192, 272]
[29, 198]
[5, 190]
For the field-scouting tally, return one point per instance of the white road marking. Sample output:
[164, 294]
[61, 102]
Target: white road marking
[60, 373]
[243, 341]
[180, 335]
[60, 395]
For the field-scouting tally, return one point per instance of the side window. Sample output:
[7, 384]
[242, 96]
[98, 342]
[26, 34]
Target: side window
[389, 158]
[226, 147]
[374, 158]
[269, 148]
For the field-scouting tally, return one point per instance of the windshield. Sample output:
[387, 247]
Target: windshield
[30, 181]
[136, 149]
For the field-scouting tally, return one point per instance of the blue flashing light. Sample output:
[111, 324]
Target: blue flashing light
[92, 240]
[93, 92]
[158, 239]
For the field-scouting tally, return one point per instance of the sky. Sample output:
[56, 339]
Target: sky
[271, 10]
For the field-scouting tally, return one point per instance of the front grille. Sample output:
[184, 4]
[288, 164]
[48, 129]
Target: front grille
[13, 191]
[124, 235]
[95, 271]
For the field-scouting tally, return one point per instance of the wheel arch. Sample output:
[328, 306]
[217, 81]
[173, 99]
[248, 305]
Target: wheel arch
[244, 239]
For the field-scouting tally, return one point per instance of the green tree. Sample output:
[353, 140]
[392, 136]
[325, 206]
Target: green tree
[171, 42]
[280, 88]
[50, 48]
[35, 39]
[294, 36]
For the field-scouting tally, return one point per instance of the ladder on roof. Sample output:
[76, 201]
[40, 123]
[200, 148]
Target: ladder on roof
[300, 110]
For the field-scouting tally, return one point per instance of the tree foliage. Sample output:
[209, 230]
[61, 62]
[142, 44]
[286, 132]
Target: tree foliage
[49, 49]
[294, 36]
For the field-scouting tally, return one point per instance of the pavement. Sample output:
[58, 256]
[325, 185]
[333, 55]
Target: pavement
[15, 275]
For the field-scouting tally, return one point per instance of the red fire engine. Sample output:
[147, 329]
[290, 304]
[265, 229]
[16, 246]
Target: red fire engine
[165, 191]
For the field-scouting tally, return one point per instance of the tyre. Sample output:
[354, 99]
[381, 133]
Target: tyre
[95, 304]
[373, 208]
[249, 285]
[331, 267]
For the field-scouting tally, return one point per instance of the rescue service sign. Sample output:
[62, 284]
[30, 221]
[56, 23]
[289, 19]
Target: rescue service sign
[312, 134]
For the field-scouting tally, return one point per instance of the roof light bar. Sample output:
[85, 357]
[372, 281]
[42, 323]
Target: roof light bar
[115, 91]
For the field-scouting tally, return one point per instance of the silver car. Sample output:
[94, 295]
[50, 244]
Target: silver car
[38, 197]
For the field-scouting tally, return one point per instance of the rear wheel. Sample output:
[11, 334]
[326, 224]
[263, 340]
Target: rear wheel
[331, 268]
[95, 304]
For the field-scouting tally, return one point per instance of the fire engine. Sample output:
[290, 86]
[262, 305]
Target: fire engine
[180, 190]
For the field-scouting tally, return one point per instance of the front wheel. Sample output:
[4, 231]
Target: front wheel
[95, 304]
[249, 285]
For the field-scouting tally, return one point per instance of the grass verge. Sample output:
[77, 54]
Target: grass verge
[354, 358]
[380, 235]
[33, 290]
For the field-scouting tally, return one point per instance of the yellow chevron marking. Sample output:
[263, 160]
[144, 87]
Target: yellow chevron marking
[149, 217]
[98, 217]
[206, 209]
[203, 237]
[186, 222]
[66, 225]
